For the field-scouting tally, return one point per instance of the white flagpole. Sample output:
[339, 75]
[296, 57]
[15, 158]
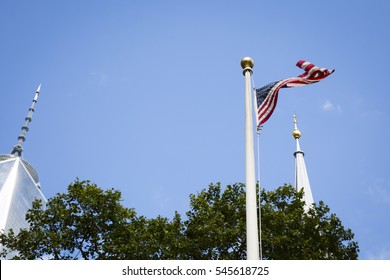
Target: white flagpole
[252, 234]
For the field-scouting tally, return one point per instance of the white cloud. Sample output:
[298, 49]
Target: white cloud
[329, 106]
[381, 254]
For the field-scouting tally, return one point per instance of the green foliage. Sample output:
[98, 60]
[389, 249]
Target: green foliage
[90, 223]
[215, 228]
[290, 233]
[79, 224]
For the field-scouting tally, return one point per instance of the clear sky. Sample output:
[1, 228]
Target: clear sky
[148, 97]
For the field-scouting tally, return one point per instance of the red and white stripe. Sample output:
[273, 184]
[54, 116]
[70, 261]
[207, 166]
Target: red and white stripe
[265, 110]
[313, 74]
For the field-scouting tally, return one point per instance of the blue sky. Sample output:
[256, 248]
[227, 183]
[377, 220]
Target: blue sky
[148, 97]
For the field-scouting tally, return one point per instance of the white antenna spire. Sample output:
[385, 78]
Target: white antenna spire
[18, 149]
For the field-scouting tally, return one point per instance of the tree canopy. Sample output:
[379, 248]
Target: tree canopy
[90, 223]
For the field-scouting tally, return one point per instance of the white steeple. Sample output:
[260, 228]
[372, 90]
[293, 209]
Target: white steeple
[301, 178]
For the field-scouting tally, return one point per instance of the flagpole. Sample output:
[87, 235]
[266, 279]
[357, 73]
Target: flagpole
[252, 234]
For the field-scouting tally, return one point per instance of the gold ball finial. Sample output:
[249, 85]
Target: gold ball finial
[247, 62]
[296, 133]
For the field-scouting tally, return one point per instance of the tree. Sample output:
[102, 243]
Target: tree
[215, 228]
[82, 223]
[151, 239]
[288, 232]
[89, 223]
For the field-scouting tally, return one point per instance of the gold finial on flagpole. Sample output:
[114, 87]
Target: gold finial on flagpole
[247, 64]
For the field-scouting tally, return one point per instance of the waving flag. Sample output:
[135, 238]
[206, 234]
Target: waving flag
[267, 96]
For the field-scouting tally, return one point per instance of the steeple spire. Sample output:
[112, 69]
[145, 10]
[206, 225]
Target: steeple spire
[18, 148]
[301, 178]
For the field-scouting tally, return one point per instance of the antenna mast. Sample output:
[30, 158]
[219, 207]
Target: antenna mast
[18, 149]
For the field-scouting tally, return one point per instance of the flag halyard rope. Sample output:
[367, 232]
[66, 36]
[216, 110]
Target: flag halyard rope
[258, 131]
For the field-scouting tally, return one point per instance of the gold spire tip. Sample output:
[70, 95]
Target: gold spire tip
[296, 133]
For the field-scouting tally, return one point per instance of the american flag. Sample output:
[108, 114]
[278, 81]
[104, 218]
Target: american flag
[267, 96]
